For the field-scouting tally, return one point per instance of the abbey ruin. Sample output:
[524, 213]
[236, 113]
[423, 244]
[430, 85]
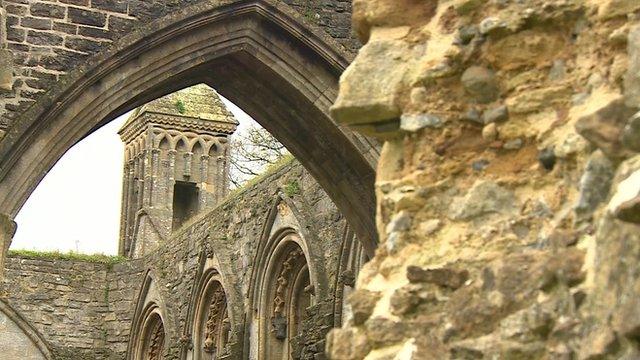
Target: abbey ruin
[466, 182]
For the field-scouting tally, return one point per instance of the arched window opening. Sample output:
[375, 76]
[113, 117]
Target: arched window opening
[151, 343]
[212, 328]
[288, 293]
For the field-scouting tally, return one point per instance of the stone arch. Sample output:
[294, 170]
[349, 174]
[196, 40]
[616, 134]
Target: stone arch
[164, 143]
[352, 259]
[151, 342]
[148, 331]
[22, 340]
[282, 297]
[182, 144]
[214, 148]
[258, 53]
[198, 146]
[213, 319]
[284, 239]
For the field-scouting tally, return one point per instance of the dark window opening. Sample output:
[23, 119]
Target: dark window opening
[185, 202]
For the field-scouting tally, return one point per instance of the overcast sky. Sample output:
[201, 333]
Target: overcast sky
[77, 205]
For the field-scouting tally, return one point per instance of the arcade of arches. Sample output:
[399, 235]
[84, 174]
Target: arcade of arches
[506, 217]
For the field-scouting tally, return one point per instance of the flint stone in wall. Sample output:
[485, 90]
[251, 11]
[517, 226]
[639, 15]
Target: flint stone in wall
[594, 184]
[481, 84]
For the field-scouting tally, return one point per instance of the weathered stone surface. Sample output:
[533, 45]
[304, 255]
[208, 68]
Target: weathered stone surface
[369, 14]
[415, 122]
[631, 133]
[534, 100]
[379, 70]
[612, 8]
[594, 184]
[513, 144]
[625, 203]
[484, 197]
[408, 298]
[444, 277]
[632, 78]
[498, 114]
[6, 70]
[490, 132]
[362, 304]
[604, 127]
[347, 344]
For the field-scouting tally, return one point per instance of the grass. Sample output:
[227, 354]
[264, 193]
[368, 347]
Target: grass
[181, 107]
[292, 188]
[69, 256]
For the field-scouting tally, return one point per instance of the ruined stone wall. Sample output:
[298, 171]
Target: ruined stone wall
[82, 309]
[233, 232]
[509, 183]
[86, 310]
[49, 38]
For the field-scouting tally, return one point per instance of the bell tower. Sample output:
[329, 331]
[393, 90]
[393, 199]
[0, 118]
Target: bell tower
[176, 165]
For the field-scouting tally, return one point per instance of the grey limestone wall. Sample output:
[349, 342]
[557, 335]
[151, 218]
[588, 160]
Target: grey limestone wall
[233, 232]
[85, 310]
[82, 309]
[50, 37]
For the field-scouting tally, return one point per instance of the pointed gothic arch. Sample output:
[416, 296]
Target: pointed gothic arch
[258, 53]
[17, 329]
[285, 281]
[148, 331]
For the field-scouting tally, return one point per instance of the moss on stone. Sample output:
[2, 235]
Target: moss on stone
[291, 188]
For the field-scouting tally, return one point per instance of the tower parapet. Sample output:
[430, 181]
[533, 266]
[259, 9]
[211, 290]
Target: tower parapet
[176, 165]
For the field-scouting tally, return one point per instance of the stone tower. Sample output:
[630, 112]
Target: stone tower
[176, 165]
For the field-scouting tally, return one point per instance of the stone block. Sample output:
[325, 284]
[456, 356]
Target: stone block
[119, 6]
[83, 45]
[44, 38]
[36, 23]
[87, 17]
[47, 10]
[6, 71]
[379, 71]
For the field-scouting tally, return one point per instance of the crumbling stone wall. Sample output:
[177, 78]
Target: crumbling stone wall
[232, 233]
[82, 309]
[509, 183]
[47, 39]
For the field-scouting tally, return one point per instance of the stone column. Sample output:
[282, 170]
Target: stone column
[7, 230]
[6, 57]
[171, 180]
